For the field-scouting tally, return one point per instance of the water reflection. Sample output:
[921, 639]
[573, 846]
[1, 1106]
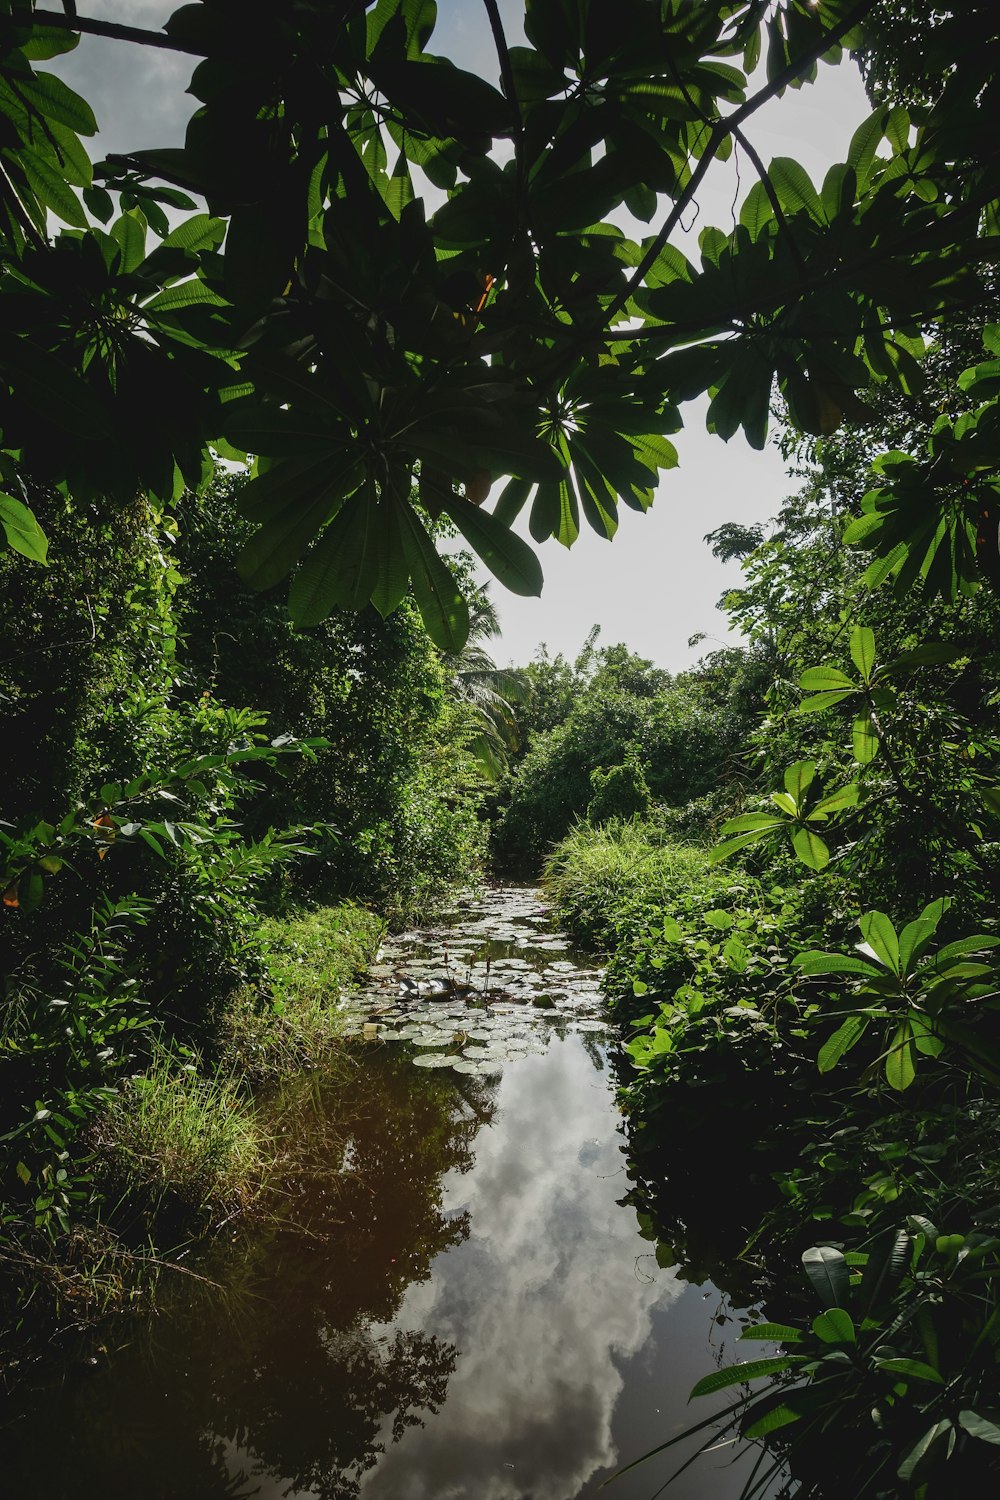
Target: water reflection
[550, 1301]
[292, 1382]
[456, 1305]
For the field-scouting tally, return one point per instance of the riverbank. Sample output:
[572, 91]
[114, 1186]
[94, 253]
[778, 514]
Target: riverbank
[866, 1192]
[189, 1143]
[450, 1298]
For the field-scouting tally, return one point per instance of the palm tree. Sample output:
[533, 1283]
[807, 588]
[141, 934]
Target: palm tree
[487, 693]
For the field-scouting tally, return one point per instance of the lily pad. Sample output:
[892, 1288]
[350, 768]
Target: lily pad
[433, 1060]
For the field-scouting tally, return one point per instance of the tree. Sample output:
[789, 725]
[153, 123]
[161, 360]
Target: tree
[487, 695]
[317, 317]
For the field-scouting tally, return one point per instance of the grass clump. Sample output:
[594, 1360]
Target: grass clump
[608, 882]
[311, 959]
[181, 1146]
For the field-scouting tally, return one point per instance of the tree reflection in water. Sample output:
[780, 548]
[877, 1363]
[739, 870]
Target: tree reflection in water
[288, 1381]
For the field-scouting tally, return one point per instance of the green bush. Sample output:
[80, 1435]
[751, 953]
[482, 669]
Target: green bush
[684, 732]
[621, 792]
[181, 1146]
[295, 1016]
[609, 883]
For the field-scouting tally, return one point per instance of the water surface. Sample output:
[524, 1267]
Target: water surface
[456, 1305]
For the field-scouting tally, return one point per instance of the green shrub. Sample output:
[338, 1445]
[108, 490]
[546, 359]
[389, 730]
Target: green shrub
[609, 883]
[620, 792]
[295, 1017]
[182, 1146]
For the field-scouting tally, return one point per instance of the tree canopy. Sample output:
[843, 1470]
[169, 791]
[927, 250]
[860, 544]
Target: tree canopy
[367, 267]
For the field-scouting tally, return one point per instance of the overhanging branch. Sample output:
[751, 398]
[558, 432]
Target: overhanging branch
[720, 131]
[113, 30]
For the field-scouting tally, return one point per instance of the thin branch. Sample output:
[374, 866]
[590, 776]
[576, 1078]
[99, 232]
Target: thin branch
[720, 131]
[510, 93]
[114, 30]
[772, 198]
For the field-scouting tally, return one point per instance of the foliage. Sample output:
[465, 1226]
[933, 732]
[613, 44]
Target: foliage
[181, 1146]
[487, 694]
[294, 1018]
[607, 883]
[626, 720]
[394, 782]
[621, 792]
[926, 997]
[898, 1367]
[513, 331]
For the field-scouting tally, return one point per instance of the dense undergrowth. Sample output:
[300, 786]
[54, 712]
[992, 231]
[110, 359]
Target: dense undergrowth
[811, 999]
[206, 823]
[803, 955]
[751, 1151]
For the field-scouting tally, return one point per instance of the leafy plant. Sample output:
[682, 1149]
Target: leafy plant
[923, 996]
[797, 815]
[891, 1384]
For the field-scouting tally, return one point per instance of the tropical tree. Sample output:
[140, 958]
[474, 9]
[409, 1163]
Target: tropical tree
[322, 314]
[487, 693]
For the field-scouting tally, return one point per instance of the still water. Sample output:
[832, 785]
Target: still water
[454, 1304]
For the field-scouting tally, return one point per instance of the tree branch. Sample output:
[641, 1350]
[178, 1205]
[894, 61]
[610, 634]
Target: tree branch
[720, 131]
[510, 92]
[772, 197]
[114, 30]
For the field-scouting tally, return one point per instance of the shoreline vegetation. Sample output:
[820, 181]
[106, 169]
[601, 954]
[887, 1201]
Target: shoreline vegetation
[190, 1144]
[791, 851]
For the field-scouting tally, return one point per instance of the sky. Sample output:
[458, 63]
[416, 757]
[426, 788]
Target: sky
[656, 585]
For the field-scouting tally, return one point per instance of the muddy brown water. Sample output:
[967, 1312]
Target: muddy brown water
[454, 1303]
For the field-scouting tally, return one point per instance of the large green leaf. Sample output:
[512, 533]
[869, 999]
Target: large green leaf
[342, 567]
[772, 1333]
[798, 778]
[753, 1369]
[846, 1036]
[51, 188]
[810, 848]
[826, 679]
[56, 101]
[835, 1327]
[828, 1272]
[979, 1427]
[199, 232]
[864, 739]
[763, 822]
[506, 555]
[392, 577]
[273, 551]
[884, 1270]
[793, 187]
[913, 941]
[23, 532]
[863, 651]
[814, 962]
[439, 599]
[880, 935]
[901, 1058]
[843, 797]
[918, 1454]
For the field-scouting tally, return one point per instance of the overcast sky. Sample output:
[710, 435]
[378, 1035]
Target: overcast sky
[656, 584]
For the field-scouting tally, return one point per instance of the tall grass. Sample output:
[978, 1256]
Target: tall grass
[311, 959]
[183, 1146]
[607, 881]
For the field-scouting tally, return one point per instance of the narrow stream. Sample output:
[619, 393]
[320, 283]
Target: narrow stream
[454, 1304]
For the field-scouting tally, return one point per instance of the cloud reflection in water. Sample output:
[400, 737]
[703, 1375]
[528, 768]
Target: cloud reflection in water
[544, 1301]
